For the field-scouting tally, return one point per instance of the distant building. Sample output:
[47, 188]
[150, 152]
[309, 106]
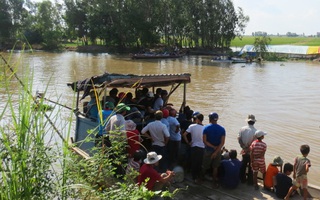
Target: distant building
[289, 34]
[259, 33]
[318, 34]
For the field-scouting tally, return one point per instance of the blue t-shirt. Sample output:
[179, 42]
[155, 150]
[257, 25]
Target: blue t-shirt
[214, 132]
[102, 125]
[173, 123]
[231, 168]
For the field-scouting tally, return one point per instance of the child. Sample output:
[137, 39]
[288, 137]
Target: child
[300, 170]
[282, 182]
[134, 165]
[272, 171]
[258, 150]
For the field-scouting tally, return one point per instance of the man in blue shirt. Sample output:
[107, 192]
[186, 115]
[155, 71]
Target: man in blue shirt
[214, 139]
[230, 170]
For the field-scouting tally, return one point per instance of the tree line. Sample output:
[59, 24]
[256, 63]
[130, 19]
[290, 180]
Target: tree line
[122, 23]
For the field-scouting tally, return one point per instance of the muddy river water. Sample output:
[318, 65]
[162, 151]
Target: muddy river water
[284, 96]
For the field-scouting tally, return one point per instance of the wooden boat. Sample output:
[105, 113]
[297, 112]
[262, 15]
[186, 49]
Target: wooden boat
[156, 55]
[106, 81]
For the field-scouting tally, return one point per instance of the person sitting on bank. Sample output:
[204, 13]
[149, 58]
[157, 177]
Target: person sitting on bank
[229, 171]
[271, 172]
[282, 181]
[154, 181]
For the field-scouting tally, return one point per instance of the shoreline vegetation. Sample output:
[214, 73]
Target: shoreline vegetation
[237, 42]
[36, 164]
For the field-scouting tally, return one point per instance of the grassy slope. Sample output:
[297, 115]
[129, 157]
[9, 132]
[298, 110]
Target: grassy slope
[303, 41]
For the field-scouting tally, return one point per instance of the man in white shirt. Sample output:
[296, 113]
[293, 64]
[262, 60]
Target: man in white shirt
[159, 135]
[245, 138]
[197, 146]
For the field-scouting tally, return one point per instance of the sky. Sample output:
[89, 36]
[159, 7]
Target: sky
[281, 16]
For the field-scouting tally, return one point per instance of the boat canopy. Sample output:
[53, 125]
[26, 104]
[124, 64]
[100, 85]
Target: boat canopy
[129, 81]
[285, 49]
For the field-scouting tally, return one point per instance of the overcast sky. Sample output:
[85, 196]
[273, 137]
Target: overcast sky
[281, 16]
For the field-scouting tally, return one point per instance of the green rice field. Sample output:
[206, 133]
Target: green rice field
[277, 40]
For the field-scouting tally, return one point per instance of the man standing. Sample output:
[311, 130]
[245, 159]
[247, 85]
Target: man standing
[245, 138]
[159, 134]
[214, 138]
[116, 125]
[116, 131]
[175, 138]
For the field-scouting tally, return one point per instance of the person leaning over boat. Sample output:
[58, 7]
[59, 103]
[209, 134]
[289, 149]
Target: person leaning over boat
[214, 138]
[116, 125]
[159, 135]
[245, 138]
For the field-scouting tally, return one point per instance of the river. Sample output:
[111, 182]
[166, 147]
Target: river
[284, 96]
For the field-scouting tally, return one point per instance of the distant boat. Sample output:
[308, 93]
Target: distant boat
[223, 59]
[156, 55]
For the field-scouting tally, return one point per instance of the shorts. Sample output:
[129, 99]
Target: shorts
[259, 166]
[301, 181]
[208, 162]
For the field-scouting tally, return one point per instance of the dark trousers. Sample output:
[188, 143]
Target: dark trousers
[246, 170]
[173, 153]
[196, 161]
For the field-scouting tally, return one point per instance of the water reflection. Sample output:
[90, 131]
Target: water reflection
[285, 99]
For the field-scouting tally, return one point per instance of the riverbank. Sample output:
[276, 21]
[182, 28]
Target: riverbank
[242, 192]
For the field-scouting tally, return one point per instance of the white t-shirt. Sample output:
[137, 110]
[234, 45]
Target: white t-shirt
[158, 131]
[196, 135]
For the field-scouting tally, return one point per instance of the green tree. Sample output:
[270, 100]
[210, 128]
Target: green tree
[260, 45]
[6, 26]
[48, 23]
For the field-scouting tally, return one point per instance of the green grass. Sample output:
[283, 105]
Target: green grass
[276, 40]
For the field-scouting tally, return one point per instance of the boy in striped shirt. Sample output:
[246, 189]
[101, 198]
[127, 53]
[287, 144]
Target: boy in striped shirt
[257, 152]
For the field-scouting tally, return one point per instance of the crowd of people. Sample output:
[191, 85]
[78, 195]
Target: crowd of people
[183, 140]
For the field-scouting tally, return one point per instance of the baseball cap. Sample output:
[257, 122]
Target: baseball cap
[213, 116]
[259, 133]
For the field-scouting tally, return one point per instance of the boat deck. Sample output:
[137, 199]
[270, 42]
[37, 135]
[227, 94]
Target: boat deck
[242, 192]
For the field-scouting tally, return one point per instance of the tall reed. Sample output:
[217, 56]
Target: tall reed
[27, 158]
[35, 165]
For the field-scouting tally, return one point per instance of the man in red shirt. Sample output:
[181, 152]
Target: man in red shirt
[147, 171]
